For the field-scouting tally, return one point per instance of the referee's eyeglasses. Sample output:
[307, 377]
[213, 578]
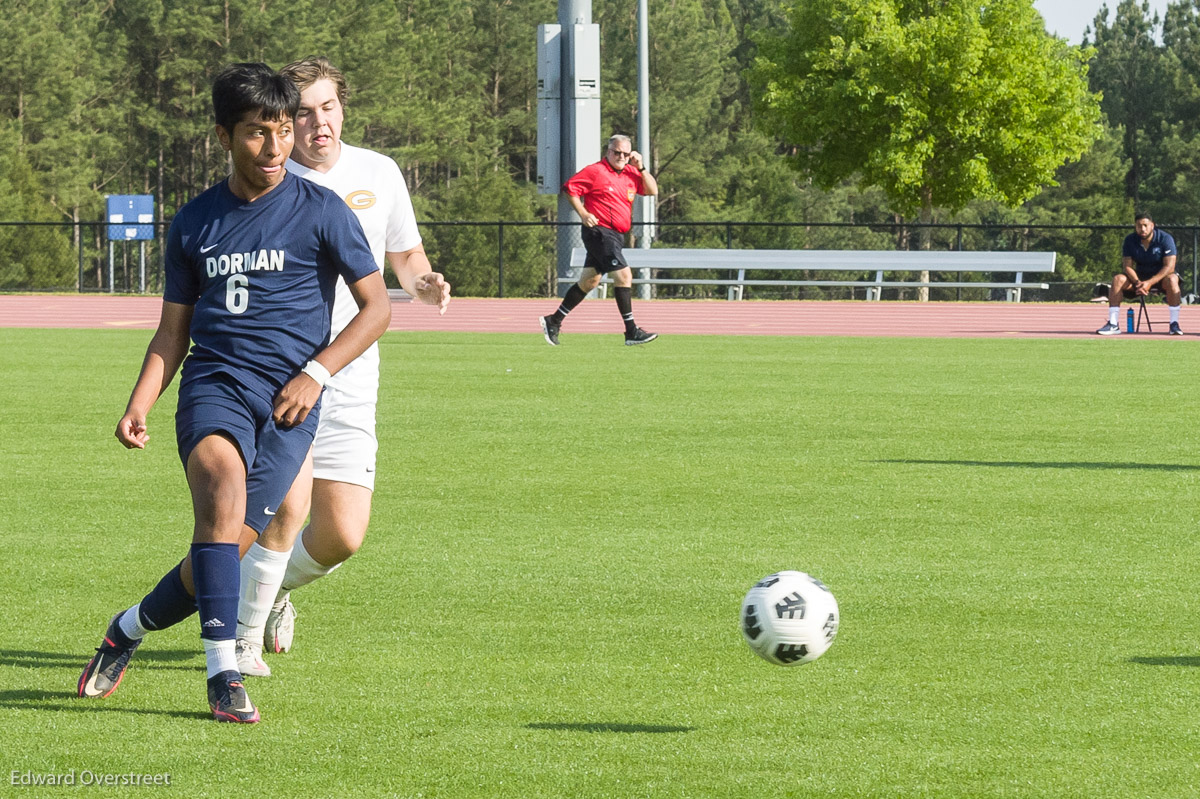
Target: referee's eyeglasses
[621, 153]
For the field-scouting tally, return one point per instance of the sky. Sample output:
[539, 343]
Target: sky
[1069, 18]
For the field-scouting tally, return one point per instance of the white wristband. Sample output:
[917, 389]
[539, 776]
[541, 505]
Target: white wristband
[317, 372]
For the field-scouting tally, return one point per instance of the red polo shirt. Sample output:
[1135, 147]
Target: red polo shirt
[607, 193]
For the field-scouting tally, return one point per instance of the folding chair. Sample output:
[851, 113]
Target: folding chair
[1143, 314]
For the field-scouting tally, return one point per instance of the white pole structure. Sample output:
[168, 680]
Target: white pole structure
[580, 119]
[645, 231]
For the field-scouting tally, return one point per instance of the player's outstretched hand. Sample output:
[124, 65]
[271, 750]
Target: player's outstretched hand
[131, 431]
[295, 400]
[432, 289]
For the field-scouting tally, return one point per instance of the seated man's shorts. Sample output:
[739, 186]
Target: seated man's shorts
[604, 249]
[273, 455]
[1130, 292]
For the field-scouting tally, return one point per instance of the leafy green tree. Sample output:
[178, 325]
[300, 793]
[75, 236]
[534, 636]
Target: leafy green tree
[31, 256]
[57, 87]
[467, 255]
[1131, 72]
[1169, 141]
[692, 83]
[1087, 192]
[937, 103]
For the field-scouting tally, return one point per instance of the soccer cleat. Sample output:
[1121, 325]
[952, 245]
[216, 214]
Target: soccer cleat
[281, 626]
[104, 672]
[249, 659]
[550, 330]
[639, 336]
[1109, 329]
[228, 700]
[1175, 329]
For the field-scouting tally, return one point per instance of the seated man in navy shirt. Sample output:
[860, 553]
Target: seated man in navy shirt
[1147, 264]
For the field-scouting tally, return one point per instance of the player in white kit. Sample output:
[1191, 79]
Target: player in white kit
[338, 480]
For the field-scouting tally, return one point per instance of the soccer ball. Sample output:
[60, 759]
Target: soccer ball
[789, 618]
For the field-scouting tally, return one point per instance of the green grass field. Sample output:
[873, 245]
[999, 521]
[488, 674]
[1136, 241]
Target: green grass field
[547, 603]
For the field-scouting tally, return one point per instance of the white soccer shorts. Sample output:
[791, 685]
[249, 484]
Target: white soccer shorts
[345, 447]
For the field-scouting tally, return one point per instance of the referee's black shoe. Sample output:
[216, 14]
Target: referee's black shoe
[639, 336]
[550, 330]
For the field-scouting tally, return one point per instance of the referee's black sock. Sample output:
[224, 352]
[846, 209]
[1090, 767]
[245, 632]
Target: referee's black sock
[624, 298]
[574, 296]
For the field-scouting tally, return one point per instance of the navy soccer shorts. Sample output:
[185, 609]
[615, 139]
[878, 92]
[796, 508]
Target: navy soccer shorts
[273, 455]
[604, 249]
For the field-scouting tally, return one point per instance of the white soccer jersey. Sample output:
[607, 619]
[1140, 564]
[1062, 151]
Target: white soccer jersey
[374, 188]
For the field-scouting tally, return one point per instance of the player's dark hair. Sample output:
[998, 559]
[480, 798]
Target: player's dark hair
[309, 70]
[253, 87]
[1140, 215]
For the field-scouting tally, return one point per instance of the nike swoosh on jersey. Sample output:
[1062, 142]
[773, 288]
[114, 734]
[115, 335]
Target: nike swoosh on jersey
[206, 249]
[267, 510]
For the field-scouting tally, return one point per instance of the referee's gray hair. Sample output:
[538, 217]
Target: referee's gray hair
[616, 138]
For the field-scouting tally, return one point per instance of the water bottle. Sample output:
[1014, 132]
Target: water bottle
[1129, 320]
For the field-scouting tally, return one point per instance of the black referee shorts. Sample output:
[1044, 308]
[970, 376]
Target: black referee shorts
[604, 249]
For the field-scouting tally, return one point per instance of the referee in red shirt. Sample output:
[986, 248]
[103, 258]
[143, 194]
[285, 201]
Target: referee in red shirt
[602, 194]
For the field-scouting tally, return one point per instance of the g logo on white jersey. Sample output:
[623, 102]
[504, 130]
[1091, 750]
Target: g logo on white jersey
[360, 200]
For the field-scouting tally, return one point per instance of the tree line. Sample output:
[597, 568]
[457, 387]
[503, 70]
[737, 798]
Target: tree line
[103, 97]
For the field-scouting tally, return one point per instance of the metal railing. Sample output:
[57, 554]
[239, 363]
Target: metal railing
[505, 258]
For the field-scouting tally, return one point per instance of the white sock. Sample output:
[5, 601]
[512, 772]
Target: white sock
[131, 623]
[1174, 309]
[261, 575]
[1113, 313]
[222, 656]
[302, 569]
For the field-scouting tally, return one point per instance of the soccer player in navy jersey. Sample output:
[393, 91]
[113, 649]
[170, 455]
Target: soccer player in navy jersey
[251, 266]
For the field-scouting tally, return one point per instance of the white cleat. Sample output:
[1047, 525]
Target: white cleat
[249, 659]
[281, 626]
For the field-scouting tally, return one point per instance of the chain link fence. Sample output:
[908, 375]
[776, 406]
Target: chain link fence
[517, 259]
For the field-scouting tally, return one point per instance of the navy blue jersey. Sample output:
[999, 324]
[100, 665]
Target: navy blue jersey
[261, 276]
[1148, 260]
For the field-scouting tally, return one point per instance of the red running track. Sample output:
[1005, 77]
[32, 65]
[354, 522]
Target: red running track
[671, 317]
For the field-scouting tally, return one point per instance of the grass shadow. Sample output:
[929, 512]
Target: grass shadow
[151, 658]
[1156, 467]
[69, 702]
[1167, 660]
[607, 727]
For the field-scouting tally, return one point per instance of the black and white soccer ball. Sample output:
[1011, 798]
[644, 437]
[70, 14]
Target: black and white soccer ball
[789, 618]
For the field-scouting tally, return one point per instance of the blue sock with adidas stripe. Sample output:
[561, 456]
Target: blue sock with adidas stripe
[216, 572]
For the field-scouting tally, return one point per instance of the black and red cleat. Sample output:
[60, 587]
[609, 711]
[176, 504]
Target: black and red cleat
[228, 700]
[105, 671]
